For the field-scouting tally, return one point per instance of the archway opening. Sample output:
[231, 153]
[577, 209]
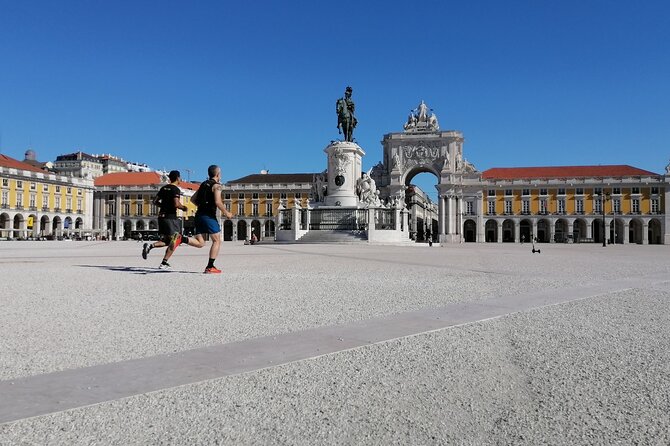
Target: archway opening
[635, 231]
[470, 231]
[525, 230]
[578, 230]
[491, 231]
[654, 234]
[421, 201]
[241, 230]
[228, 231]
[256, 229]
[508, 231]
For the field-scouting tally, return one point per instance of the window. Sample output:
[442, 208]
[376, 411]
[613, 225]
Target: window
[57, 203]
[561, 191]
[19, 184]
[560, 206]
[126, 197]
[282, 195]
[68, 204]
[5, 199]
[227, 206]
[597, 206]
[654, 205]
[226, 196]
[616, 205]
[579, 206]
[79, 208]
[297, 195]
[5, 182]
[635, 205]
[254, 209]
[469, 208]
[19, 200]
[33, 199]
[254, 196]
[492, 207]
[138, 209]
[153, 209]
[543, 206]
[79, 192]
[268, 209]
[126, 209]
[598, 191]
[268, 196]
[616, 191]
[543, 191]
[579, 191]
[635, 190]
[69, 190]
[57, 189]
[110, 208]
[508, 207]
[240, 196]
[525, 207]
[33, 186]
[508, 192]
[654, 190]
[240, 208]
[492, 193]
[526, 192]
[110, 197]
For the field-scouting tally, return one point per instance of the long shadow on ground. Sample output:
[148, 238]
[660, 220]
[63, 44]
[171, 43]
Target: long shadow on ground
[137, 270]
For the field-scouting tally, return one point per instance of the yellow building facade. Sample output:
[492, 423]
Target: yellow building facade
[38, 204]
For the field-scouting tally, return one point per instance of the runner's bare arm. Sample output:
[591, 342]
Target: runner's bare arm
[178, 205]
[219, 202]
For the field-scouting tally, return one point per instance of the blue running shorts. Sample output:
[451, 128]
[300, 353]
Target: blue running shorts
[204, 224]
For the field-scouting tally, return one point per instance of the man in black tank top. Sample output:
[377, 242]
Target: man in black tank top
[208, 200]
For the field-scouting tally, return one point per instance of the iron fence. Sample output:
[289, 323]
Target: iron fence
[285, 219]
[385, 219]
[338, 219]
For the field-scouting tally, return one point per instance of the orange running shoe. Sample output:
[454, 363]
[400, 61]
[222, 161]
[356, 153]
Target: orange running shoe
[212, 270]
[175, 241]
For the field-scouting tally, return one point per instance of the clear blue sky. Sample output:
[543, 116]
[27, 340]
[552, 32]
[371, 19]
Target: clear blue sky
[252, 85]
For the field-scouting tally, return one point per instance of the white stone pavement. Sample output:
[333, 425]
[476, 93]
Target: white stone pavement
[592, 367]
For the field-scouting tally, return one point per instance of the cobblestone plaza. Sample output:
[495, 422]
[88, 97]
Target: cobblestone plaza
[335, 344]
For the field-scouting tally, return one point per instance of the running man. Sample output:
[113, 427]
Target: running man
[169, 225]
[208, 199]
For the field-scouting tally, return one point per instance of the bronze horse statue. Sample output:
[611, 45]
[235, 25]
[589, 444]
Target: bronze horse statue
[346, 121]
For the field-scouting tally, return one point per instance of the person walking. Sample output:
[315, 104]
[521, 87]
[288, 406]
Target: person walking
[208, 199]
[169, 225]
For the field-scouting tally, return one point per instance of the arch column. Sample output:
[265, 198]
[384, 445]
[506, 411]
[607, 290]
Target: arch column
[645, 233]
[534, 234]
[589, 229]
[499, 232]
[248, 237]
[442, 214]
[626, 232]
[552, 230]
[517, 231]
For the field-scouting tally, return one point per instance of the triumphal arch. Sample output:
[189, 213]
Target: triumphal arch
[423, 147]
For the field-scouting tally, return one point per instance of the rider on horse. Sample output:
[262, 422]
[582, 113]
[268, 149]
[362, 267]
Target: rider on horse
[346, 121]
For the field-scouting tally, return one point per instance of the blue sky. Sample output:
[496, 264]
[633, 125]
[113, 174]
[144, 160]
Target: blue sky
[252, 85]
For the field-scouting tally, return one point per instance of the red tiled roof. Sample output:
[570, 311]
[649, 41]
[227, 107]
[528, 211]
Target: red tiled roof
[267, 178]
[128, 179]
[6, 161]
[513, 173]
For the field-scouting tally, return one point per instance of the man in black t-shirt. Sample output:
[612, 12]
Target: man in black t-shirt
[169, 225]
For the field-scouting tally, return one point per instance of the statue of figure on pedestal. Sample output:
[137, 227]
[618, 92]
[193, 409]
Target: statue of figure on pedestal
[346, 121]
[367, 190]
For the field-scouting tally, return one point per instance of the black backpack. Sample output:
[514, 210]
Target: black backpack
[201, 196]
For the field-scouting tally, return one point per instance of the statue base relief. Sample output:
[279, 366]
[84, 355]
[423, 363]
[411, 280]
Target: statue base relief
[344, 170]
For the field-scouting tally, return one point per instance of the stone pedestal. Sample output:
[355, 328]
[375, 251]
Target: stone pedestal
[344, 170]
